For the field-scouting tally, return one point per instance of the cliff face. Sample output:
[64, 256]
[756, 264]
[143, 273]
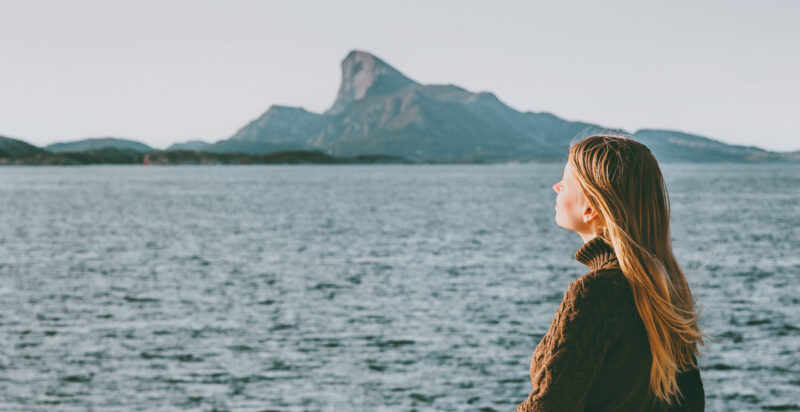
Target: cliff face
[363, 76]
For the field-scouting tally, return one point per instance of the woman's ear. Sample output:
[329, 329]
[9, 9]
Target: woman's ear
[588, 214]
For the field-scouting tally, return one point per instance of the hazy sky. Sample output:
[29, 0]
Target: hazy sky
[167, 71]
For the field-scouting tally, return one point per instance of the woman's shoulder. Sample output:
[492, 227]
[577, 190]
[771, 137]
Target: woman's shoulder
[606, 287]
[609, 279]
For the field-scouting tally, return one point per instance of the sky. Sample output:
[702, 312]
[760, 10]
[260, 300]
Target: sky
[169, 71]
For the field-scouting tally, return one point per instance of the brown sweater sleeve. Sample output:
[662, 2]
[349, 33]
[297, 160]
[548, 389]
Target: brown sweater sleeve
[569, 357]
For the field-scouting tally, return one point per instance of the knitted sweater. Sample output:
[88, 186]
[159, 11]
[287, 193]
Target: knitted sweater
[596, 354]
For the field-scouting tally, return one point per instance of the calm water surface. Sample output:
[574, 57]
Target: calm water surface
[355, 287]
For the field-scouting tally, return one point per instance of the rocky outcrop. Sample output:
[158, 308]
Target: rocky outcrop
[363, 76]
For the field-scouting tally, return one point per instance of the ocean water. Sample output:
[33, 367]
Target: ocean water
[377, 287]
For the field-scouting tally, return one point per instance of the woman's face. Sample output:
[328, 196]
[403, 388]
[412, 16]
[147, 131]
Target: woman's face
[573, 210]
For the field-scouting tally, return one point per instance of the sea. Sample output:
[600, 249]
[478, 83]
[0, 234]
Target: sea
[356, 287]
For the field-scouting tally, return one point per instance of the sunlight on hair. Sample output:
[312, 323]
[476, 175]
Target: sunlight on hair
[623, 181]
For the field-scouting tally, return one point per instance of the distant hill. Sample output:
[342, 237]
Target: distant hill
[791, 156]
[672, 146]
[13, 148]
[379, 110]
[98, 143]
[17, 152]
[281, 128]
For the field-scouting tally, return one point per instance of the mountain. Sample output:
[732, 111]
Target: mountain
[98, 143]
[448, 123]
[379, 113]
[378, 110]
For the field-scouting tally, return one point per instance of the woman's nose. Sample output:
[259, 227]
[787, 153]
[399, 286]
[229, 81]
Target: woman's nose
[555, 187]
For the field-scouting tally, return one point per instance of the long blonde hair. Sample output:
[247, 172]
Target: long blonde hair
[623, 183]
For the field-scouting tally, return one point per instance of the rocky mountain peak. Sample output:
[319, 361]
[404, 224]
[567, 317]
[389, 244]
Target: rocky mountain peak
[364, 75]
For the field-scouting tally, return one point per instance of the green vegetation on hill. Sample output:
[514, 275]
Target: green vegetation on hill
[98, 144]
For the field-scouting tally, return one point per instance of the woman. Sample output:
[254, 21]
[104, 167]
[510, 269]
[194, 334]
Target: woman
[625, 335]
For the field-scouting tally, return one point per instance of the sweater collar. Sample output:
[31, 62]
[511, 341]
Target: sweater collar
[597, 253]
